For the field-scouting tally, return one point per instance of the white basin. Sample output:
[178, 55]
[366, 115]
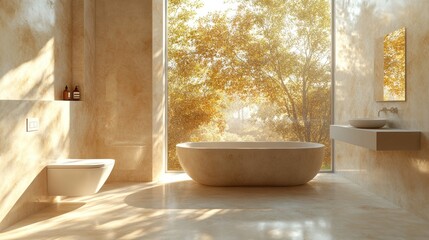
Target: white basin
[368, 122]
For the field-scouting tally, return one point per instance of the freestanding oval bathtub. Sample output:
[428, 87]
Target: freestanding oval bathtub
[251, 163]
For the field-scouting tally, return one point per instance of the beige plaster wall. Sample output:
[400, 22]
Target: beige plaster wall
[84, 119]
[401, 177]
[158, 88]
[123, 87]
[36, 62]
[107, 48]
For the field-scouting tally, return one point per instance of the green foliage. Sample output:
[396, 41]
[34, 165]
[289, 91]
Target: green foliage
[271, 58]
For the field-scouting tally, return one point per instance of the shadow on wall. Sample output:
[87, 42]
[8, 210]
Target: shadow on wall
[349, 60]
[33, 63]
[23, 154]
[34, 68]
[51, 213]
[400, 177]
[354, 65]
[37, 191]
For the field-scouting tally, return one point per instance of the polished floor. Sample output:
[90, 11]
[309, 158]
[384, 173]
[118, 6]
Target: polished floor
[329, 207]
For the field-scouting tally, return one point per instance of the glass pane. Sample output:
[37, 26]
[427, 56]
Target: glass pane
[249, 71]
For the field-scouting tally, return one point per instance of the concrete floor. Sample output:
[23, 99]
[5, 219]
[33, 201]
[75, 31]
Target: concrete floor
[329, 207]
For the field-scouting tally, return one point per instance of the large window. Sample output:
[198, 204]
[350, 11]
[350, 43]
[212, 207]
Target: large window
[254, 70]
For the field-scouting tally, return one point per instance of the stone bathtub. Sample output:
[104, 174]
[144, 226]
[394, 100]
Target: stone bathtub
[251, 163]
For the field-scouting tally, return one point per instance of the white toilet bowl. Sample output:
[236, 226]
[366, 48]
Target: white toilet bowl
[78, 177]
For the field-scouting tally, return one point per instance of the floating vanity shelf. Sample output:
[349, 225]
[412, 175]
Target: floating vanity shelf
[381, 139]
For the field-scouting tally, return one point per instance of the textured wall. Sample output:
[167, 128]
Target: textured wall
[158, 88]
[401, 177]
[31, 65]
[123, 87]
[105, 47]
[84, 119]
[34, 42]
[23, 156]
[36, 62]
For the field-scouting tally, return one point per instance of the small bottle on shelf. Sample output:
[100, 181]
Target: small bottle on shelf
[66, 94]
[76, 94]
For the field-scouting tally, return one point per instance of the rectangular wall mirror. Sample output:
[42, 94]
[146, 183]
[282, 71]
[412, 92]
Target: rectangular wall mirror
[394, 77]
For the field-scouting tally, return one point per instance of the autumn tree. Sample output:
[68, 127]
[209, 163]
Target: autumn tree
[190, 103]
[394, 66]
[272, 54]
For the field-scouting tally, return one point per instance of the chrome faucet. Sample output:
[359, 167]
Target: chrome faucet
[385, 109]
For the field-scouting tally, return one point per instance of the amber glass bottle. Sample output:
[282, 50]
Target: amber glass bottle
[66, 94]
[76, 94]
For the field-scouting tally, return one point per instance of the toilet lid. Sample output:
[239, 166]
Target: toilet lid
[81, 163]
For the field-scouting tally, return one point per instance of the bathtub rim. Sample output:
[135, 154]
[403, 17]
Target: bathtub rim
[256, 145]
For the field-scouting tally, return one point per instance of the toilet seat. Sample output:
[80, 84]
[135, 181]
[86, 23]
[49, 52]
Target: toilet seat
[80, 164]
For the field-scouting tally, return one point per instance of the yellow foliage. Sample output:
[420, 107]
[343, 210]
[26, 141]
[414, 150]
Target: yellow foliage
[262, 73]
[394, 66]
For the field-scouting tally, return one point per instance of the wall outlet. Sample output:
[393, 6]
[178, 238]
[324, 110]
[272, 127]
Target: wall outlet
[32, 124]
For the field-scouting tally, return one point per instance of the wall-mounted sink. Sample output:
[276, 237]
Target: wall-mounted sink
[368, 122]
[381, 139]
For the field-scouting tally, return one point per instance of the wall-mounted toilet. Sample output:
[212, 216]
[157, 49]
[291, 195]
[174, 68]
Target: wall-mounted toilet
[78, 177]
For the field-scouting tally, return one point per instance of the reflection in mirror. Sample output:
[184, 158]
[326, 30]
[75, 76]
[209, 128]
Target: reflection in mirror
[394, 66]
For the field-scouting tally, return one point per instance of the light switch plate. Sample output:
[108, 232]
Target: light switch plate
[32, 124]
